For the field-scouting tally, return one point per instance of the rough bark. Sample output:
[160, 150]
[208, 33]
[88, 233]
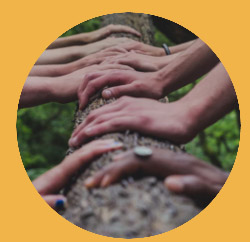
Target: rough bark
[137, 206]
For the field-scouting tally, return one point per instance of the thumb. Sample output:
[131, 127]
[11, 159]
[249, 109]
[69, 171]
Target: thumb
[118, 91]
[191, 185]
[57, 202]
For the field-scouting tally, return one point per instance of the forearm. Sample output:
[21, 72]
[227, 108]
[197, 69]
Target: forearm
[41, 90]
[159, 51]
[52, 70]
[190, 64]
[209, 100]
[54, 179]
[77, 39]
[61, 55]
[36, 91]
[181, 47]
[55, 70]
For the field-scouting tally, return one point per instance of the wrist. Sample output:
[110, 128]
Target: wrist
[63, 90]
[186, 119]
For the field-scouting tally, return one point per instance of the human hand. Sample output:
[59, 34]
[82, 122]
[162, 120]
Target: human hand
[64, 88]
[140, 48]
[93, 59]
[140, 62]
[184, 173]
[51, 182]
[120, 83]
[108, 30]
[104, 44]
[169, 121]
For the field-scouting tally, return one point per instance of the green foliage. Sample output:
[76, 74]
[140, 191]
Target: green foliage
[160, 39]
[87, 26]
[43, 131]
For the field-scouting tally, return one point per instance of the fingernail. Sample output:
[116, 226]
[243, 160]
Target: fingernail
[107, 94]
[89, 182]
[60, 204]
[115, 144]
[174, 184]
[105, 181]
[73, 141]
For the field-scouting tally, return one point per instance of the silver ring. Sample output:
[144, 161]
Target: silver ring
[143, 151]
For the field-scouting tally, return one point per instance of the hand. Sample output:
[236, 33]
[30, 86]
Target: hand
[51, 182]
[72, 53]
[104, 44]
[169, 121]
[140, 62]
[140, 48]
[120, 82]
[108, 30]
[64, 69]
[66, 88]
[62, 89]
[84, 38]
[185, 173]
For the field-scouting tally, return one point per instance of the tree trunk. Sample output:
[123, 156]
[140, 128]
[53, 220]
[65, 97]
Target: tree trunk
[137, 206]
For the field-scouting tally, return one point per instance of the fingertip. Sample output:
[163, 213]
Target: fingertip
[115, 145]
[174, 184]
[60, 204]
[107, 94]
[73, 141]
[106, 181]
[89, 182]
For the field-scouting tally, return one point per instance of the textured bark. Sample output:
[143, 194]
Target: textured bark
[137, 206]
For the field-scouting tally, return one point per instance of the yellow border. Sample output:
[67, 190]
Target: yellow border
[28, 27]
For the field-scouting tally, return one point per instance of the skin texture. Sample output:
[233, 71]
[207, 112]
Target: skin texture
[178, 121]
[140, 62]
[85, 38]
[54, 70]
[124, 82]
[179, 70]
[51, 182]
[183, 173]
[62, 89]
[145, 49]
[72, 53]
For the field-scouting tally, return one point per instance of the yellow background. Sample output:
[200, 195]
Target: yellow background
[28, 27]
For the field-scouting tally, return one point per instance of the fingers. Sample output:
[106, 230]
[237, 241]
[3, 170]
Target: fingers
[122, 29]
[191, 185]
[93, 86]
[118, 91]
[56, 178]
[57, 202]
[125, 165]
[117, 124]
[109, 108]
[95, 148]
[114, 50]
[113, 66]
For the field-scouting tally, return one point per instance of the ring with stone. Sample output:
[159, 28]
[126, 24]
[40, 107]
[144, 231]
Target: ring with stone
[143, 151]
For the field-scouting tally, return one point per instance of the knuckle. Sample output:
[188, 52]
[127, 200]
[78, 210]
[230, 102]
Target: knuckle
[91, 117]
[146, 120]
[138, 85]
[116, 123]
